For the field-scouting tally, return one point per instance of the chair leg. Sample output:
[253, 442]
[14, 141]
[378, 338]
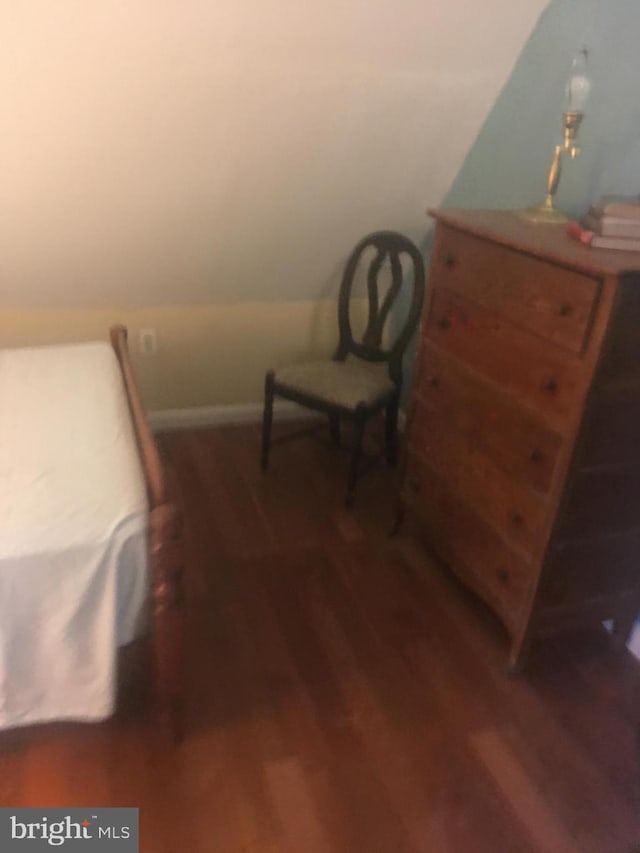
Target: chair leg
[267, 418]
[355, 456]
[334, 428]
[391, 433]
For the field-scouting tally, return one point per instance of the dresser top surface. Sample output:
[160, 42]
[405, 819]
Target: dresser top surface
[550, 242]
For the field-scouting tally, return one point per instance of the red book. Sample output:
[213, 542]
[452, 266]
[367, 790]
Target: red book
[575, 230]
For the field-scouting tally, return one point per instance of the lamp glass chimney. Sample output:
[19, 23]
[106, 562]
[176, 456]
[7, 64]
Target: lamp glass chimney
[579, 84]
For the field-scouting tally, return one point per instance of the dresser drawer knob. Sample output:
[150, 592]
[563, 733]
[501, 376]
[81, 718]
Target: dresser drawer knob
[517, 517]
[536, 456]
[550, 385]
[444, 323]
[450, 261]
[565, 309]
[503, 576]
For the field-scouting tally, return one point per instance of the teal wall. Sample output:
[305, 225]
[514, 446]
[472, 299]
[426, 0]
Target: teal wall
[508, 164]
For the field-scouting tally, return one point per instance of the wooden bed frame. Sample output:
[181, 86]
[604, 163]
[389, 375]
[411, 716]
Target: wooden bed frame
[165, 553]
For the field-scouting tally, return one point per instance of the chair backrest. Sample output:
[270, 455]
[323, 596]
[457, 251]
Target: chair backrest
[392, 246]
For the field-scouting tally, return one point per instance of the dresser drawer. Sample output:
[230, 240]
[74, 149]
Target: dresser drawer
[551, 301]
[547, 379]
[516, 512]
[459, 537]
[524, 447]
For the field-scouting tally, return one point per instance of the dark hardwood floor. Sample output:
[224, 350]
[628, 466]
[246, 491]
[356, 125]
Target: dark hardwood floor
[344, 693]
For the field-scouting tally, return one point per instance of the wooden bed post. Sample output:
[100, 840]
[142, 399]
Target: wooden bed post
[165, 554]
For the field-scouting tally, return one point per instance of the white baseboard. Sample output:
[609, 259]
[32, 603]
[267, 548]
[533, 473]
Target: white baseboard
[210, 416]
[162, 420]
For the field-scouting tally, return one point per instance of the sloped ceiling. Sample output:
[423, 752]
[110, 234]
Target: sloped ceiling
[159, 152]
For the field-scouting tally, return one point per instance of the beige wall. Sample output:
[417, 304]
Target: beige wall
[207, 354]
[226, 155]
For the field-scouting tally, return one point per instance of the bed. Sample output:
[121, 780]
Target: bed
[90, 544]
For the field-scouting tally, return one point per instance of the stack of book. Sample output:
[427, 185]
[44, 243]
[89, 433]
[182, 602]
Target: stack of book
[613, 223]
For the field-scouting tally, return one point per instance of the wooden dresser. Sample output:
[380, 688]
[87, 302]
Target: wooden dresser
[523, 455]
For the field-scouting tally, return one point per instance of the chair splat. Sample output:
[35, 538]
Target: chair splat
[378, 315]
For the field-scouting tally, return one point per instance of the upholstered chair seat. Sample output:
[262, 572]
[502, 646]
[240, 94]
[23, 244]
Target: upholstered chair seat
[345, 384]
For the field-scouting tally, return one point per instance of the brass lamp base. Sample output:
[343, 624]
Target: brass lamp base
[542, 215]
[546, 214]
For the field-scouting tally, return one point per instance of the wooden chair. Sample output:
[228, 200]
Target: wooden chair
[364, 377]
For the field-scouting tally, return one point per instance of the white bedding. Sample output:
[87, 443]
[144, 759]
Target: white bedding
[73, 521]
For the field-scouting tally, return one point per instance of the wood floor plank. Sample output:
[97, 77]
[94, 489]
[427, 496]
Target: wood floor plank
[295, 807]
[557, 761]
[413, 778]
[523, 798]
[45, 771]
[344, 693]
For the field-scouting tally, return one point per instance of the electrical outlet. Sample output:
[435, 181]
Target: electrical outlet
[147, 342]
